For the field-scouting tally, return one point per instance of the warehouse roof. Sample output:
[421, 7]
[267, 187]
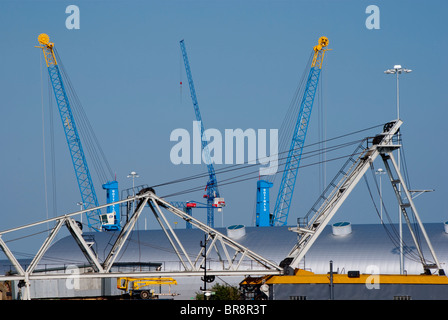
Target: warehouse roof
[367, 248]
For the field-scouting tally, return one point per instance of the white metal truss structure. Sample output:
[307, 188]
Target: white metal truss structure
[354, 169]
[230, 252]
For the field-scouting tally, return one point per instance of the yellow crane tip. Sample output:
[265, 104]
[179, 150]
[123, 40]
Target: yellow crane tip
[323, 42]
[43, 39]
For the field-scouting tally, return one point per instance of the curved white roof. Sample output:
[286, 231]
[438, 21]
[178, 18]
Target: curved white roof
[368, 248]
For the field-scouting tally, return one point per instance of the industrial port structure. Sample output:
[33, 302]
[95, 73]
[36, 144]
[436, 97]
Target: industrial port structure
[261, 277]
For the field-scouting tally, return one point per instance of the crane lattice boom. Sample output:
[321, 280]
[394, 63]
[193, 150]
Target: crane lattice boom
[212, 184]
[83, 177]
[286, 190]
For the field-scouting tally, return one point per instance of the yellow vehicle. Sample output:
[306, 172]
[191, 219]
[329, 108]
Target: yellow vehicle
[137, 288]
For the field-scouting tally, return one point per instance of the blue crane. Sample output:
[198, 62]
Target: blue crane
[186, 206]
[282, 205]
[95, 219]
[213, 197]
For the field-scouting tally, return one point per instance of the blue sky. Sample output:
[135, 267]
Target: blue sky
[247, 58]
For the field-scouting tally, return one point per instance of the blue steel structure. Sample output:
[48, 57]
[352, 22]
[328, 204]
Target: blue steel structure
[95, 219]
[282, 205]
[262, 210]
[212, 184]
[111, 221]
[187, 207]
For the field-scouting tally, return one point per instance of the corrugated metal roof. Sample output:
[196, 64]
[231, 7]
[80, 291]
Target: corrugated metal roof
[366, 245]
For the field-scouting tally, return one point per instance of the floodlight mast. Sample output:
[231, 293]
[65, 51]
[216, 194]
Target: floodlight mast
[397, 70]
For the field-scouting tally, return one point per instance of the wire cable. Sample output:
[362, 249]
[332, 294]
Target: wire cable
[252, 176]
[87, 133]
[43, 136]
[391, 231]
[244, 166]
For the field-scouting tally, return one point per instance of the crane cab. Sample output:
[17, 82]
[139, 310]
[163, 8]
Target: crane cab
[219, 203]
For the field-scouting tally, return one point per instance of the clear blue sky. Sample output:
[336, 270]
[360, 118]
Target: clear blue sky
[247, 58]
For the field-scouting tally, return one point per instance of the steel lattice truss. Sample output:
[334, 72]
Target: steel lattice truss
[347, 178]
[230, 252]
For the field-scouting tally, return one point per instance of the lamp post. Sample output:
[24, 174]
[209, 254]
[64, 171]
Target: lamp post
[397, 70]
[133, 175]
[81, 204]
[380, 172]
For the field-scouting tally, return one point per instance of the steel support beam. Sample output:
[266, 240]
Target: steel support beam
[11, 257]
[381, 145]
[340, 191]
[103, 270]
[45, 246]
[75, 231]
[160, 217]
[404, 205]
[124, 234]
[225, 240]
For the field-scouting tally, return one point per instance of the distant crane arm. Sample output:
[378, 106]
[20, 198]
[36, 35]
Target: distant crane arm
[212, 184]
[286, 190]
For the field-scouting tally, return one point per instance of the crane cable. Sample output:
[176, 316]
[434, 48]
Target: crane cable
[246, 166]
[253, 173]
[236, 167]
[87, 133]
[253, 177]
[52, 150]
[287, 127]
[289, 122]
[391, 231]
[290, 118]
[43, 137]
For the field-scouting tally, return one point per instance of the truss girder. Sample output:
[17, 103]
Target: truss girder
[225, 241]
[231, 266]
[382, 145]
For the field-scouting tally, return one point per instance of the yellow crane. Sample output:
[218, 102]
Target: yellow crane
[135, 287]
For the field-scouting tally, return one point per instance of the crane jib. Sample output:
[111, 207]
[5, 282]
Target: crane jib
[212, 184]
[82, 172]
[83, 176]
[286, 190]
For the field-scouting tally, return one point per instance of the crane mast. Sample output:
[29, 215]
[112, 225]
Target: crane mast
[213, 197]
[95, 219]
[286, 190]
